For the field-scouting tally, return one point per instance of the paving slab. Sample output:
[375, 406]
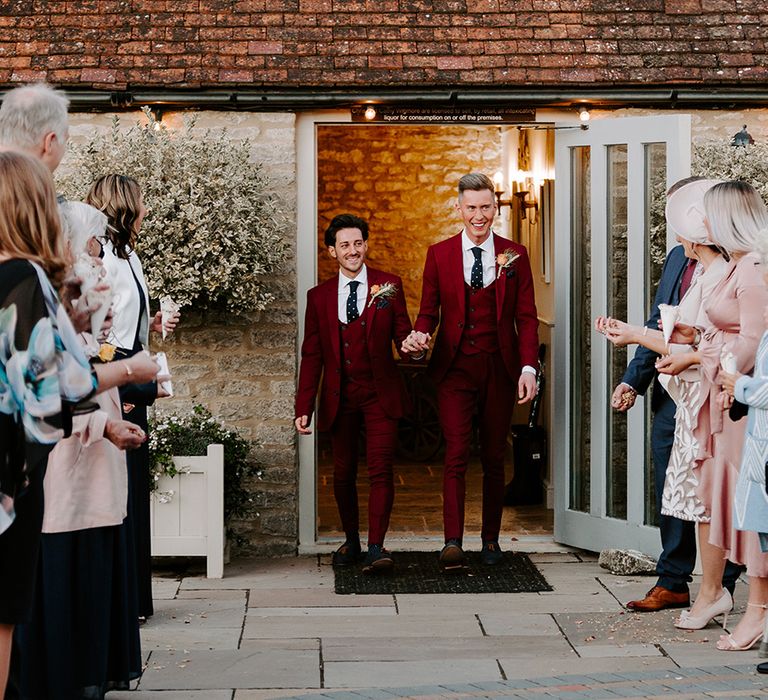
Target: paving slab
[165, 588]
[245, 668]
[382, 674]
[514, 667]
[322, 612]
[436, 649]
[455, 625]
[168, 638]
[288, 572]
[597, 601]
[507, 623]
[199, 612]
[239, 594]
[630, 628]
[313, 597]
[705, 654]
[170, 695]
[602, 651]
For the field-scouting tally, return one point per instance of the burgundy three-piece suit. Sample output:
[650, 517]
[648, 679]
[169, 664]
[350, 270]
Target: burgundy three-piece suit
[361, 385]
[486, 336]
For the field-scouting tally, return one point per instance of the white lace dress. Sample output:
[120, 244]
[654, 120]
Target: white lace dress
[679, 497]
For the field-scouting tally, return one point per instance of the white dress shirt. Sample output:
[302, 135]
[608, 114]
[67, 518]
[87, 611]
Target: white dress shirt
[362, 292]
[488, 258]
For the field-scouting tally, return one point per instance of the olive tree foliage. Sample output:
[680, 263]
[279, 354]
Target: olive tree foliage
[214, 235]
[716, 160]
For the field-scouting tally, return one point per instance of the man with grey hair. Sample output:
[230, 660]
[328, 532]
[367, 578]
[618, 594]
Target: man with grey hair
[33, 119]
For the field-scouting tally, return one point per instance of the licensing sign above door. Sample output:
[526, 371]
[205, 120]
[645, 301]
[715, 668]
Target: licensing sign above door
[393, 114]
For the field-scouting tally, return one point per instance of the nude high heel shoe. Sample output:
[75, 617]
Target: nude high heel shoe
[728, 643]
[722, 606]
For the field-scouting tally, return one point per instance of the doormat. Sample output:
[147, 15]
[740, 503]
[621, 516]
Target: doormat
[419, 572]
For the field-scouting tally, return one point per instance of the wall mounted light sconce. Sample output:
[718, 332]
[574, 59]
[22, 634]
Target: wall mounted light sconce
[584, 116]
[521, 189]
[370, 113]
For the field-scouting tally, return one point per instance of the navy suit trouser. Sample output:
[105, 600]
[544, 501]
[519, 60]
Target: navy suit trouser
[678, 537]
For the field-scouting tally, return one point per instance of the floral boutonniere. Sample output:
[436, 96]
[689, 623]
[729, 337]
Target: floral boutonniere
[106, 352]
[504, 261]
[381, 293]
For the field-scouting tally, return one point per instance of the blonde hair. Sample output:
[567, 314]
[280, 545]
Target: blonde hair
[736, 214]
[119, 197]
[29, 216]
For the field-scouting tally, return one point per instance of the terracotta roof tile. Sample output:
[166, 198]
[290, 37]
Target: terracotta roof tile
[115, 44]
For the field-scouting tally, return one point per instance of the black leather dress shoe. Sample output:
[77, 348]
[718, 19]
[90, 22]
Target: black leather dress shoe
[347, 555]
[452, 556]
[378, 560]
[491, 553]
[763, 667]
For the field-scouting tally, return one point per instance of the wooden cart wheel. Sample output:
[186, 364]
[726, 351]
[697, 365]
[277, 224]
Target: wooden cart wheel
[419, 435]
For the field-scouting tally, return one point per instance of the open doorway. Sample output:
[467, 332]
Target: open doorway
[402, 180]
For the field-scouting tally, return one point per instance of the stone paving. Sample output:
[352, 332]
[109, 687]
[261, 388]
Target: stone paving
[275, 629]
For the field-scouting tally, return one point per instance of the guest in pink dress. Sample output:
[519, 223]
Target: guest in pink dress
[735, 218]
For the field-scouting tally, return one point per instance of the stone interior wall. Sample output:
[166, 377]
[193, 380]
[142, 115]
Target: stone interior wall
[402, 180]
[243, 368]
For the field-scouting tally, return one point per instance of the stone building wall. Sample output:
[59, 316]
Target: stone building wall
[403, 181]
[243, 368]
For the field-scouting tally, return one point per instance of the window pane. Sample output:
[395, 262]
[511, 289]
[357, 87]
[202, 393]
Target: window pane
[655, 252]
[617, 454]
[581, 325]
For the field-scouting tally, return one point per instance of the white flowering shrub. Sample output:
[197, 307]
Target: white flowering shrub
[720, 160]
[716, 160]
[213, 234]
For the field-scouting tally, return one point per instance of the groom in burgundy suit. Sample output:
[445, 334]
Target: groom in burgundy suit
[351, 322]
[478, 287]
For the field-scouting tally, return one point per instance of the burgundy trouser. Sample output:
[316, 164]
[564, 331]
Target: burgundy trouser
[475, 383]
[360, 406]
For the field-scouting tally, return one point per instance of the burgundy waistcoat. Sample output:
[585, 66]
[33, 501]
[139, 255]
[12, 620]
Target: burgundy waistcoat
[355, 362]
[480, 331]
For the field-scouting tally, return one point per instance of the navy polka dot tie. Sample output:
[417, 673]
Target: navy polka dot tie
[476, 276]
[352, 313]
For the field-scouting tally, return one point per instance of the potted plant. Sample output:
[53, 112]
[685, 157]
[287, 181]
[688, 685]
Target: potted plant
[185, 448]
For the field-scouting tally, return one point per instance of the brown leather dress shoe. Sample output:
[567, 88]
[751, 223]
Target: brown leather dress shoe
[660, 598]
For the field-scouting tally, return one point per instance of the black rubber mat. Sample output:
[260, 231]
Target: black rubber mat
[419, 572]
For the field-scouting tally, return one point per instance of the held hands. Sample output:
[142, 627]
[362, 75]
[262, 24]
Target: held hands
[170, 323]
[302, 425]
[728, 382]
[124, 435]
[526, 387]
[724, 400]
[416, 343]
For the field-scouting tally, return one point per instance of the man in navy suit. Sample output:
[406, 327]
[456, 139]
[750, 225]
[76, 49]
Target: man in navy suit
[678, 538]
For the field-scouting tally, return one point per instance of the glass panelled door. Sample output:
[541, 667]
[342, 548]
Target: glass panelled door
[610, 241]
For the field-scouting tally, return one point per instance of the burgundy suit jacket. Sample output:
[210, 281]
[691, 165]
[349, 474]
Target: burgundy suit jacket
[443, 301]
[321, 355]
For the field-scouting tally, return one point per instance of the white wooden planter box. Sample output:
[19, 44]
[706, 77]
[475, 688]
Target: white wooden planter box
[191, 522]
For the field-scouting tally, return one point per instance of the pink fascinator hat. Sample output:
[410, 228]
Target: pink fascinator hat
[685, 211]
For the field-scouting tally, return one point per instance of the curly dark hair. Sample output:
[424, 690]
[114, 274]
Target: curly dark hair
[119, 197]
